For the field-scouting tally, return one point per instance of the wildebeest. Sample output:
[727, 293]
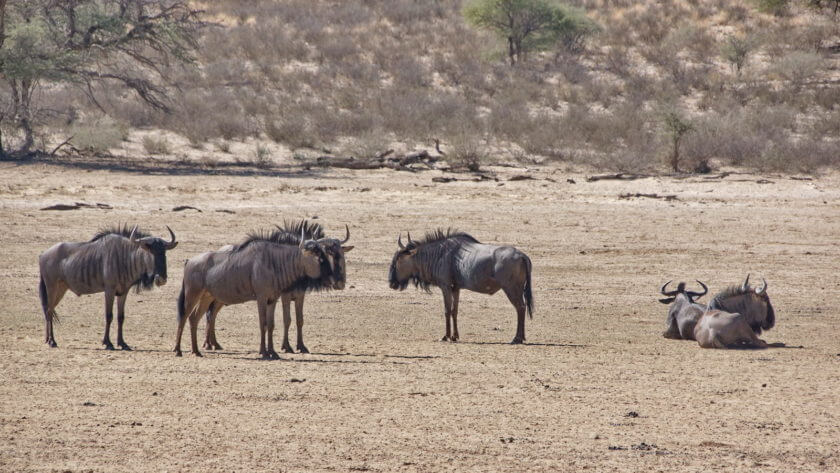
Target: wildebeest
[453, 261]
[258, 269]
[735, 317]
[683, 312]
[289, 234]
[753, 304]
[113, 261]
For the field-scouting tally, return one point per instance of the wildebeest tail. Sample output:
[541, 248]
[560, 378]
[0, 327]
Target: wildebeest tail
[529, 297]
[45, 304]
[181, 304]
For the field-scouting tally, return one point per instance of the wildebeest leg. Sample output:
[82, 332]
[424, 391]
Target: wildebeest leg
[49, 300]
[210, 341]
[299, 320]
[195, 316]
[187, 302]
[456, 293]
[109, 317]
[120, 319]
[269, 328]
[516, 298]
[447, 309]
[286, 300]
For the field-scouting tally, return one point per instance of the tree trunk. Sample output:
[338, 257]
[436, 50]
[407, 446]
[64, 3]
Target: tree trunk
[675, 157]
[511, 51]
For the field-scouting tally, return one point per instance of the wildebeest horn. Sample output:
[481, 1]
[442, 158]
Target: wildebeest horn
[694, 295]
[409, 237]
[669, 293]
[347, 237]
[133, 232]
[746, 284]
[399, 242]
[301, 238]
[763, 288]
[171, 243]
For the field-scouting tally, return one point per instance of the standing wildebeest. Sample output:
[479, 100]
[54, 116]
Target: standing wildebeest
[735, 317]
[684, 312]
[258, 269]
[453, 261]
[289, 234]
[113, 261]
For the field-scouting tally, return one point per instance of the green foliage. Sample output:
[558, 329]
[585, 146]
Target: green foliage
[773, 7]
[736, 50]
[676, 126]
[531, 25]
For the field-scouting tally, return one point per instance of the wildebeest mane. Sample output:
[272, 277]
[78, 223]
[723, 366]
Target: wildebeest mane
[438, 235]
[718, 302]
[124, 230]
[289, 234]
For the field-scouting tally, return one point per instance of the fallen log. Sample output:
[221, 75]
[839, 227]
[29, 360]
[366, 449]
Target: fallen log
[78, 205]
[622, 176]
[185, 207]
[649, 196]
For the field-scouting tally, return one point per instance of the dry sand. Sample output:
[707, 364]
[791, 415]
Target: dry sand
[596, 387]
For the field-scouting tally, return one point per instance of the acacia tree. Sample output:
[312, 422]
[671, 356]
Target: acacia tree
[87, 42]
[530, 25]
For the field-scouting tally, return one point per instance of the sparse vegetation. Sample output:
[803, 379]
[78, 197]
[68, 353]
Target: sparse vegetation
[400, 71]
[156, 145]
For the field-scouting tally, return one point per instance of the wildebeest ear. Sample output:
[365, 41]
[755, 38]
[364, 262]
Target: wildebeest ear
[667, 300]
[347, 249]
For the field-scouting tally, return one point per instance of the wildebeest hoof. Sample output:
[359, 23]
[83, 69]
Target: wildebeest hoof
[178, 353]
[273, 355]
[288, 349]
[302, 348]
[125, 346]
[218, 347]
[517, 341]
[52, 344]
[445, 338]
[109, 346]
[197, 353]
[207, 346]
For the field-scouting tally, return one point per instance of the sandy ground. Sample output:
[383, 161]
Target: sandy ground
[596, 387]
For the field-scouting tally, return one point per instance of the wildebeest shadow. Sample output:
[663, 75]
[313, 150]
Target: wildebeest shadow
[412, 357]
[567, 345]
[118, 350]
[769, 345]
[318, 360]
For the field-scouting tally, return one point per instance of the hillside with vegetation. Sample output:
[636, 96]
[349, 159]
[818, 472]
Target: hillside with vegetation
[646, 85]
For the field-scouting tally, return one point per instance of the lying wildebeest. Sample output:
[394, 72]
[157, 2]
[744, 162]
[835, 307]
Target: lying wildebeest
[258, 269]
[453, 261]
[113, 261]
[684, 312]
[289, 234]
[735, 317]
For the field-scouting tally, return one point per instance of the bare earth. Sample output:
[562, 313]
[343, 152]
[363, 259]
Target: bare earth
[596, 387]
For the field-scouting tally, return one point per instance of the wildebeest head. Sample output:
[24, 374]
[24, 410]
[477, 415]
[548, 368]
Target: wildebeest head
[404, 267]
[672, 295]
[335, 251]
[753, 303]
[157, 247]
[316, 265]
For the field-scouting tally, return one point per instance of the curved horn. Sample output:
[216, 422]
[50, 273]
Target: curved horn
[694, 295]
[399, 242]
[133, 233]
[171, 243]
[746, 284]
[662, 291]
[409, 237]
[763, 288]
[347, 237]
[300, 245]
